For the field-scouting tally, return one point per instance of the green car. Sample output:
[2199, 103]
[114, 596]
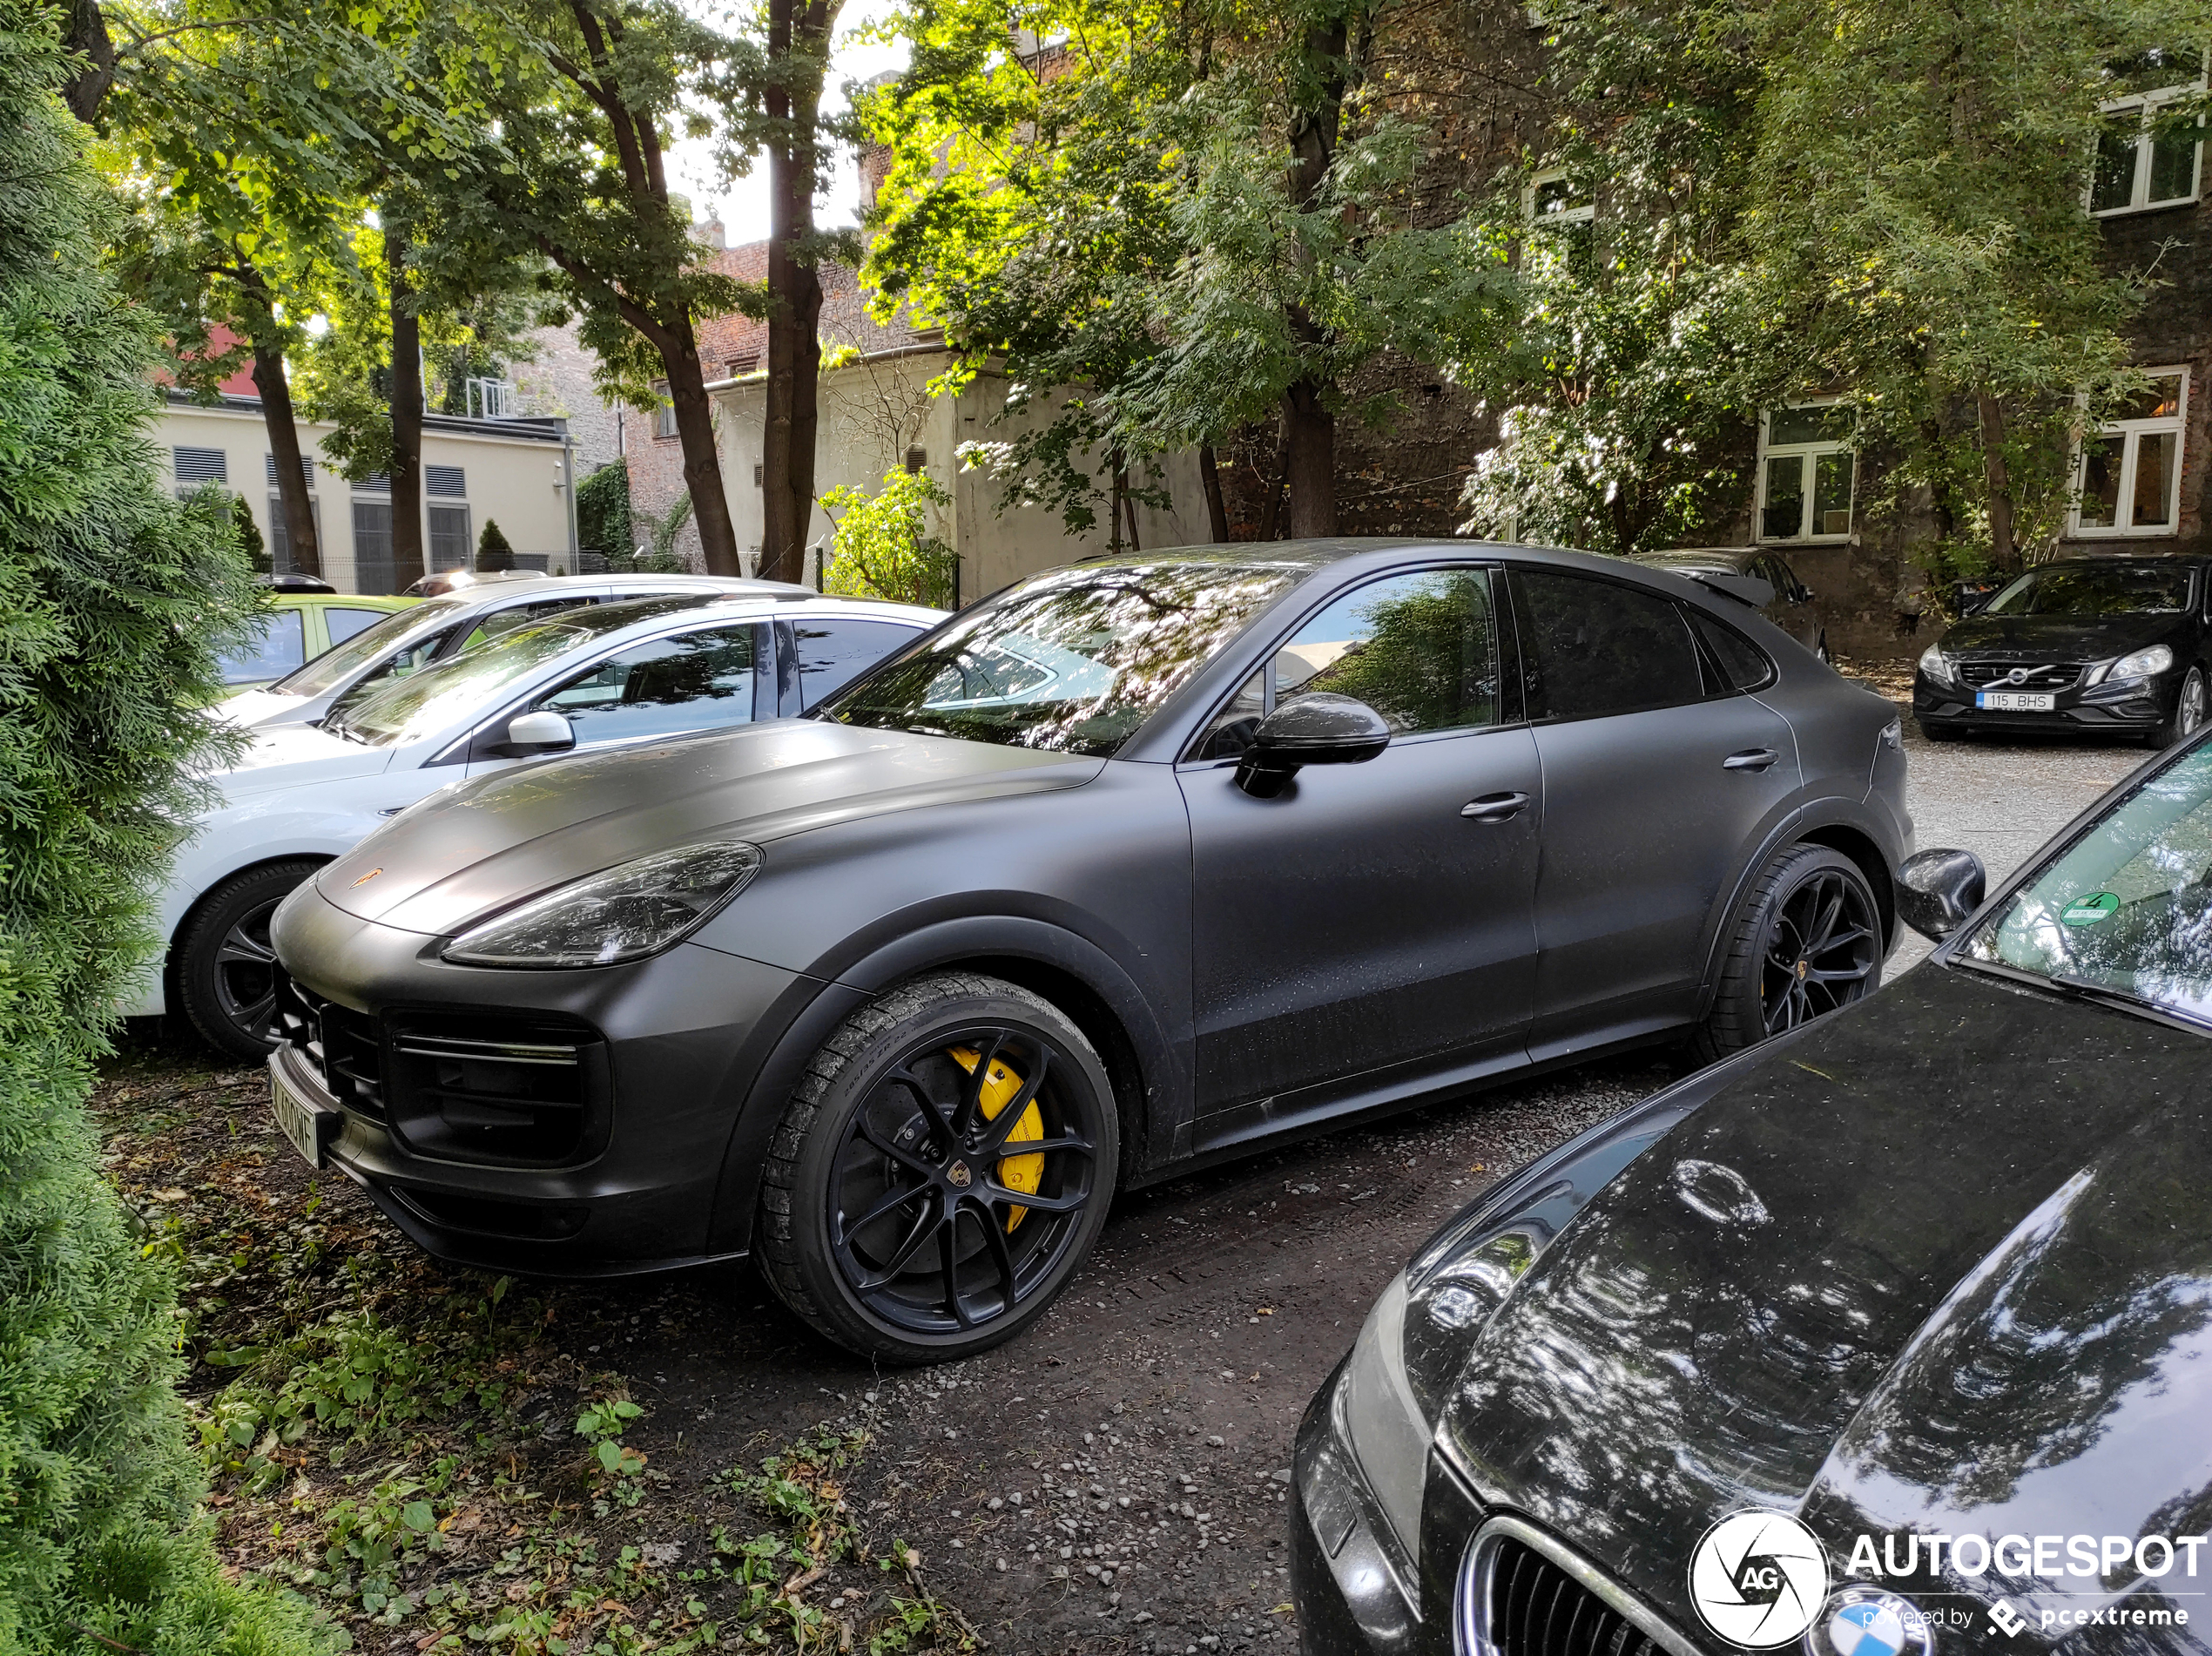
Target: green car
[300, 626]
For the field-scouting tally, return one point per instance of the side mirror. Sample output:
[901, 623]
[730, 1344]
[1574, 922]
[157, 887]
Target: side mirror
[1936, 891]
[541, 731]
[1316, 729]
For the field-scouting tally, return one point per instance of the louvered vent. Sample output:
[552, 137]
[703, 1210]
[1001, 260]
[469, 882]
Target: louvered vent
[307, 470]
[446, 480]
[201, 465]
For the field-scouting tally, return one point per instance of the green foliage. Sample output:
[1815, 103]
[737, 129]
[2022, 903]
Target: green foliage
[603, 509]
[116, 600]
[492, 551]
[249, 536]
[655, 552]
[881, 545]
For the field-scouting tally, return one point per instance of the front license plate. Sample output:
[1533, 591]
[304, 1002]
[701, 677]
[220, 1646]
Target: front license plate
[309, 1126]
[2014, 701]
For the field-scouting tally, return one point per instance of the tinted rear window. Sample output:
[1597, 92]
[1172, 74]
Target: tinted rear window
[1596, 647]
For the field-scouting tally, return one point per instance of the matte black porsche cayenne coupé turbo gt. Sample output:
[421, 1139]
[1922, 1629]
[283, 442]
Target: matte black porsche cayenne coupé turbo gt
[1139, 863]
[1931, 1279]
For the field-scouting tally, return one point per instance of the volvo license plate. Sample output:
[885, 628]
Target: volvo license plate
[2014, 701]
[311, 1127]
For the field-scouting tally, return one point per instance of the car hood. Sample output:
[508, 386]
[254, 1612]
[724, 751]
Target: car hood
[496, 839]
[1943, 1264]
[2058, 638]
[252, 707]
[294, 755]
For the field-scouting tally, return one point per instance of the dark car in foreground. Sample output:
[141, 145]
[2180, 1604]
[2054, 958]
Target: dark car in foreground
[2113, 646]
[1939, 1266]
[1139, 864]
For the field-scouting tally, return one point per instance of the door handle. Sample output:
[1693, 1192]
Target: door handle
[1754, 759]
[1494, 808]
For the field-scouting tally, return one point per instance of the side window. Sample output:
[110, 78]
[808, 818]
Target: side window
[278, 647]
[1231, 732]
[834, 654]
[666, 687]
[517, 615]
[1420, 650]
[1593, 647]
[1744, 665]
[343, 622]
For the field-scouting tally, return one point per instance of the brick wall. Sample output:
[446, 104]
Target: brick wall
[559, 381]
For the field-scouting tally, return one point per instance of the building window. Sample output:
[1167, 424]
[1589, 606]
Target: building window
[372, 545]
[1552, 198]
[450, 543]
[663, 411]
[741, 366]
[450, 481]
[2147, 157]
[196, 467]
[1807, 469]
[2128, 478]
[307, 470]
[280, 534]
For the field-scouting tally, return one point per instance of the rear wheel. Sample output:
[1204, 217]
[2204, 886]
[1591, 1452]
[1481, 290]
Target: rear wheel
[227, 967]
[941, 1173]
[1806, 941]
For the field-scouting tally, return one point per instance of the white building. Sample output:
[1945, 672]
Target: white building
[519, 473]
[877, 414]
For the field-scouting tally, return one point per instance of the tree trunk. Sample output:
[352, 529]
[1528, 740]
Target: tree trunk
[88, 35]
[292, 498]
[1309, 460]
[1129, 506]
[1217, 506]
[799, 35]
[2002, 545]
[407, 562]
[1270, 509]
[703, 461]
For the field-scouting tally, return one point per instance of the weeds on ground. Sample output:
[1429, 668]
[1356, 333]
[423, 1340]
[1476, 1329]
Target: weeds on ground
[446, 1462]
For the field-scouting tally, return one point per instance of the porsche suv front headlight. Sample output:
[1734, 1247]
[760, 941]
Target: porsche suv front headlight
[620, 914]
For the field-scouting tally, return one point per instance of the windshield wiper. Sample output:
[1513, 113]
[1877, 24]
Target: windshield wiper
[2121, 1000]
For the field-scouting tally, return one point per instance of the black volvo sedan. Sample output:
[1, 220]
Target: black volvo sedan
[1140, 863]
[2115, 646]
[1894, 1334]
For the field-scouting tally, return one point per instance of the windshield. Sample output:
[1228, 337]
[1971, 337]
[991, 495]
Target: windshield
[384, 712]
[334, 666]
[2084, 589]
[2128, 906]
[1072, 661]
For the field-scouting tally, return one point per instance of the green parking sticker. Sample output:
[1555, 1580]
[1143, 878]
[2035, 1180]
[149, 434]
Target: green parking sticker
[2087, 911]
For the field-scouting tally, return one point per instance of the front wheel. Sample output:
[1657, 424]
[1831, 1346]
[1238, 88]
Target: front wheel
[1806, 940]
[2189, 711]
[227, 967]
[941, 1173]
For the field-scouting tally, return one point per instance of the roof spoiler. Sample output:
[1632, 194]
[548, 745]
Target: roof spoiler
[1745, 588]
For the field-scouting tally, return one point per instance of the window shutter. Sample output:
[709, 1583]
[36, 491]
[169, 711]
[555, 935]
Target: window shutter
[374, 484]
[201, 465]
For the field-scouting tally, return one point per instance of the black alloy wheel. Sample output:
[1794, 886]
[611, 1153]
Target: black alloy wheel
[946, 1164]
[2189, 711]
[1807, 941]
[226, 967]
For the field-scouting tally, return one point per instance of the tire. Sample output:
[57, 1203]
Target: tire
[2189, 712]
[877, 1113]
[1938, 733]
[1771, 981]
[226, 969]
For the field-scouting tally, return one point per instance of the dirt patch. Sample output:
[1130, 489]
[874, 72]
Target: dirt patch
[399, 1440]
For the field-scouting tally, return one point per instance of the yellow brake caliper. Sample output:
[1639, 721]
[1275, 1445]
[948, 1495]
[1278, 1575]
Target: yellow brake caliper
[1023, 1174]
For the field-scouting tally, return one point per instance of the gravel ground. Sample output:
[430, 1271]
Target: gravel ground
[1115, 1480]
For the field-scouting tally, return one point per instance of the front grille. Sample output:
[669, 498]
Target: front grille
[492, 1087]
[1536, 1609]
[340, 1042]
[2041, 675]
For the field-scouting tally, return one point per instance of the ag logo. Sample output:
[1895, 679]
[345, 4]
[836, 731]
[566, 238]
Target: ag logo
[1758, 1579]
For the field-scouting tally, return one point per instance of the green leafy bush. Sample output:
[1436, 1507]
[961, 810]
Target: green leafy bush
[492, 551]
[603, 511]
[116, 599]
[882, 546]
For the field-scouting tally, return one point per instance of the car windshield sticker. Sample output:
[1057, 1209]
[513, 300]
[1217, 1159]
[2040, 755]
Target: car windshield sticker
[2087, 911]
